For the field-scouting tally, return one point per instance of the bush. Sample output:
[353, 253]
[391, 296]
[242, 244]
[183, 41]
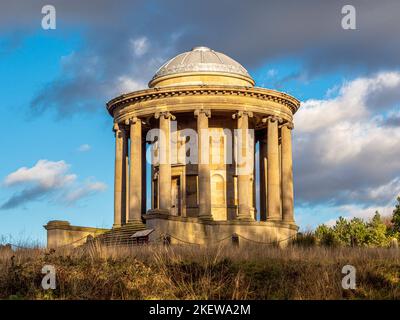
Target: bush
[326, 236]
[306, 239]
[357, 232]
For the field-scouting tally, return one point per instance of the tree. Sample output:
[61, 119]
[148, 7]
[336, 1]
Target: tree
[377, 232]
[396, 217]
[342, 231]
[358, 232]
[326, 235]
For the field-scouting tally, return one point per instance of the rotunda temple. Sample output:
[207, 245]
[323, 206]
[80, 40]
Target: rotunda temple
[189, 142]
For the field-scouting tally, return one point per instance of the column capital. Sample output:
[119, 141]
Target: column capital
[240, 114]
[272, 119]
[132, 120]
[165, 114]
[207, 112]
[118, 128]
[287, 124]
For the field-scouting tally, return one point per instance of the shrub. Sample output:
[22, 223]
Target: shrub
[306, 239]
[326, 236]
[356, 232]
[377, 233]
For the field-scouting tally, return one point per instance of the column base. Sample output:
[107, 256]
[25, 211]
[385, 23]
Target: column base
[206, 218]
[158, 211]
[290, 221]
[245, 218]
[274, 219]
[116, 225]
[136, 221]
[245, 213]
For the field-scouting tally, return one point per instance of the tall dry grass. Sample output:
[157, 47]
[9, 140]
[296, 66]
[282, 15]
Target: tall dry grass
[195, 272]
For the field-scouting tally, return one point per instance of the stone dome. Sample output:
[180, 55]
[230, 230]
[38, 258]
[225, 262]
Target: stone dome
[194, 65]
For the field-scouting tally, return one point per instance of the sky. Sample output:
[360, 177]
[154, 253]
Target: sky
[57, 145]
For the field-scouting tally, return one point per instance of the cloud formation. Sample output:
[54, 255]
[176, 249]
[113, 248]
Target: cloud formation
[47, 180]
[345, 154]
[125, 42]
[83, 191]
[346, 146]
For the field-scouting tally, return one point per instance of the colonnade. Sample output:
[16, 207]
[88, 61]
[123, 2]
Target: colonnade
[276, 177]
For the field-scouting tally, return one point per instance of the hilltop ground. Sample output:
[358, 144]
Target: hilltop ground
[176, 272]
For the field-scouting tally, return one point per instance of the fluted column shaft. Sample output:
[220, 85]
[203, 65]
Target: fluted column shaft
[287, 174]
[273, 181]
[165, 161]
[245, 163]
[119, 175]
[135, 179]
[203, 164]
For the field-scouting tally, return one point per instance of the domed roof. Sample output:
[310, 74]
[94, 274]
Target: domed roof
[201, 60]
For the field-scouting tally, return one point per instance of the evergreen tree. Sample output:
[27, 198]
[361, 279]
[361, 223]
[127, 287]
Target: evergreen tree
[325, 235]
[377, 232]
[396, 217]
[358, 232]
[342, 231]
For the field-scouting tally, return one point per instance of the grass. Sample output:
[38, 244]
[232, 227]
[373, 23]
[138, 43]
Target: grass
[192, 272]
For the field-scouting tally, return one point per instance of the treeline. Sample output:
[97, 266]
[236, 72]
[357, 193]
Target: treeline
[376, 232]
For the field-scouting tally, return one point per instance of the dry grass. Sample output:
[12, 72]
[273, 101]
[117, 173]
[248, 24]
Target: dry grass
[224, 272]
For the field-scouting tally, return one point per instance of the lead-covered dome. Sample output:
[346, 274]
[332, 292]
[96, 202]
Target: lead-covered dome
[201, 65]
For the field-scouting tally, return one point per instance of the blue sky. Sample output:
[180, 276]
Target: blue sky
[54, 85]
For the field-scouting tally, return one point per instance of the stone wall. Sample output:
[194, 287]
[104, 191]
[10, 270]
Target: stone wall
[63, 234]
[193, 230]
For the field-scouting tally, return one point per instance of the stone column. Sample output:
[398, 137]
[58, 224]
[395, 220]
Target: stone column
[287, 173]
[263, 177]
[144, 175]
[126, 171]
[204, 164]
[164, 161]
[273, 181]
[244, 165]
[135, 179]
[119, 175]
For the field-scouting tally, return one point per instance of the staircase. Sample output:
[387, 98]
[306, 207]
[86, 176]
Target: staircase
[120, 235]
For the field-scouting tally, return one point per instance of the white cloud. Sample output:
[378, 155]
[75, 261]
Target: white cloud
[345, 152]
[47, 174]
[47, 180]
[83, 191]
[366, 213]
[84, 147]
[139, 46]
[127, 84]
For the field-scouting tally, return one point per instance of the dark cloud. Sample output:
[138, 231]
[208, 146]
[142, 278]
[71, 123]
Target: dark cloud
[20, 198]
[252, 32]
[383, 102]
[393, 121]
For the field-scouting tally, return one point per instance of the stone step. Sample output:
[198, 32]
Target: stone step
[121, 235]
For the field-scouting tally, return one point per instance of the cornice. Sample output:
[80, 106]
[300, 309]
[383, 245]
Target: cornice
[180, 91]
